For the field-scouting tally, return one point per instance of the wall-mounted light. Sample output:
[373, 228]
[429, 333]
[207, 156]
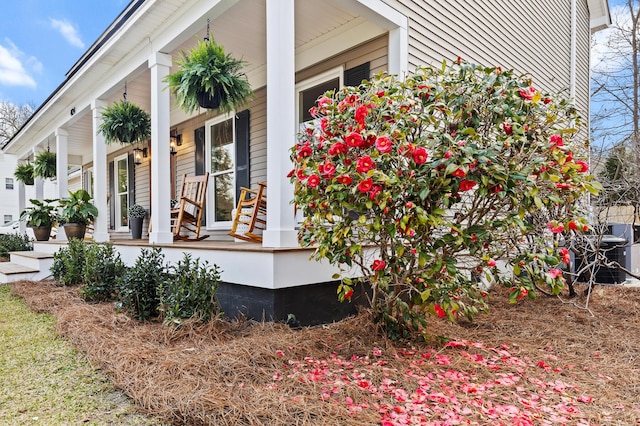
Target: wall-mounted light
[175, 140]
[138, 155]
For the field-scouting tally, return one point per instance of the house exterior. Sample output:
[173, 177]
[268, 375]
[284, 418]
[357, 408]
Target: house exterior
[295, 49]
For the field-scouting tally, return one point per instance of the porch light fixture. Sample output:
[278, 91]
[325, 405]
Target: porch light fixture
[138, 155]
[174, 140]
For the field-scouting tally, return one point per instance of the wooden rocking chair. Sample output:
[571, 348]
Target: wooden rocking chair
[186, 217]
[251, 214]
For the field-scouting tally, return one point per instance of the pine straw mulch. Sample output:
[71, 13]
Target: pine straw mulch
[538, 362]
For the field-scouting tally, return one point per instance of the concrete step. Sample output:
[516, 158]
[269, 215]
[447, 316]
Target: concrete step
[34, 259]
[10, 272]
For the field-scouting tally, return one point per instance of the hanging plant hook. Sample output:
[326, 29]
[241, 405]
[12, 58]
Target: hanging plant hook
[124, 95]
[206, 37]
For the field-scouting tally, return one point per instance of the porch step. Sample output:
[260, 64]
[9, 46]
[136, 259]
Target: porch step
[26, 265]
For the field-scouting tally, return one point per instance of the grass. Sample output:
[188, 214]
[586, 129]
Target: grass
[46, 381]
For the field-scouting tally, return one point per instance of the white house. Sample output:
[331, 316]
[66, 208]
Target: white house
[295, 48]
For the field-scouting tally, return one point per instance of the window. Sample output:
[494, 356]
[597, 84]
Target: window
[122, 193]
[220, 140]
[8, 183]
[308, 92]
[8, 218]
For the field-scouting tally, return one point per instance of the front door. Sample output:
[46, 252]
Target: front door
[121, 167]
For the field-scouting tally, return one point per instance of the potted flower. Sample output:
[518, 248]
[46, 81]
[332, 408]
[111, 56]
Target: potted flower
[136, 217]
[76, 213]
[125, 122]
[209, 78]
[44, 165]
[24, 173]
[40, 216]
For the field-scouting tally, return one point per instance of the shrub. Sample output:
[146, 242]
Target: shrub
[102, 267]
[189, 291]
[68, 263]
[137, 287]
[426, 183]
[14, 242]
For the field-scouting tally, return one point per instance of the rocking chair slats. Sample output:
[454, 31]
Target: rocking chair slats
[186, 217]
[251, 214]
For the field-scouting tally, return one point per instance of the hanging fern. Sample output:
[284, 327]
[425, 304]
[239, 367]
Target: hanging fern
[206, 68]
[125, 122]
[44, 165]
[24, 173]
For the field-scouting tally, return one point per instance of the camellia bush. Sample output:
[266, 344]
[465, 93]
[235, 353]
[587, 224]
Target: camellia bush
[432, 185]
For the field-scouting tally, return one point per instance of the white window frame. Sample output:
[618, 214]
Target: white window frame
[117, 222]
[337, 72]
[212, 224]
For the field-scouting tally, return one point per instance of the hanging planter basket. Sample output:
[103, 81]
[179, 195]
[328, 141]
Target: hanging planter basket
[24, 173]
[209, 78]
[208, 100]
[126, 123]
[44, 165]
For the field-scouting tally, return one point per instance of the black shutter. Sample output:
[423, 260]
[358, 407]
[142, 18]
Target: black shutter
[243, 177]
[132, 179]
[198, 137]
[354, 76]
[112, 196]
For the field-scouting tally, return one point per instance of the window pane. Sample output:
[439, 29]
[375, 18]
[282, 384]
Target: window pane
[8, 183]
[222, 146]
[124, 214]
[309, 97]
[224, 196]
[123, 176]
[8, 218]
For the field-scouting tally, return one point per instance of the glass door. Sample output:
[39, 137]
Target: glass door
[122, 193]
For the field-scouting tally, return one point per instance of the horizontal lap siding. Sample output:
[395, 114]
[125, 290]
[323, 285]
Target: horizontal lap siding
[582, 66]
[530, 37]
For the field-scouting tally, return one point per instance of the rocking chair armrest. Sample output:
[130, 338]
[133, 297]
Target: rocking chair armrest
[189, 201]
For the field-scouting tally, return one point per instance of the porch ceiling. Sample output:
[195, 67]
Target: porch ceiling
[241, 28]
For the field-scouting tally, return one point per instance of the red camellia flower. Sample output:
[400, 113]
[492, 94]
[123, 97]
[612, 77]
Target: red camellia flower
[361, 113]
[583, 166]
[420, 155]
[563, 185]
[491, 263]
[439, 311]
[459, 173]
[345, 179]
[354, 139]
[348, 294]
[572, 225]
[305, 150]
[378, 265]
[508, 128]
[383, 144]
[448, 154]
[374, 192]
[324, 125]
[291, 173]
[365, 185]
[300, 174]
[313, 181]
[555, 228]
[556, 140]
[324, 101]
[555, 273]
[466, 185]
[528, 93]
[338, 148]
[364, 164]
[328, 169]
[566, 257]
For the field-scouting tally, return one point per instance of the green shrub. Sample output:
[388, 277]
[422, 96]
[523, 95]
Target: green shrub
[189, 291]
[102, 267]
[137, 288]
[14, 242]
[68, 263]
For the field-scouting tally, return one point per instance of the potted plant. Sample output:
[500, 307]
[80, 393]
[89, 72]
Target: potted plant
[76, 213]
[136, 217]
[24, 173]
[125, 122]
[44, 165]
[40, 216]
[209, 78]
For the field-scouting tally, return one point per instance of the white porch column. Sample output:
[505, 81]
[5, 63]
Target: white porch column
[22, 205]
[160, 64]
[38, 183]
[100, 176]
[281, 123]
[62, 162]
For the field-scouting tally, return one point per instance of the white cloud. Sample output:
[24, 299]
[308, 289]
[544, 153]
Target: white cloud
[12, 71]
[68, 31]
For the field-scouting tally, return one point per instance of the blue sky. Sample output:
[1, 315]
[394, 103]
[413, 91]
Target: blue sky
[40, 40]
